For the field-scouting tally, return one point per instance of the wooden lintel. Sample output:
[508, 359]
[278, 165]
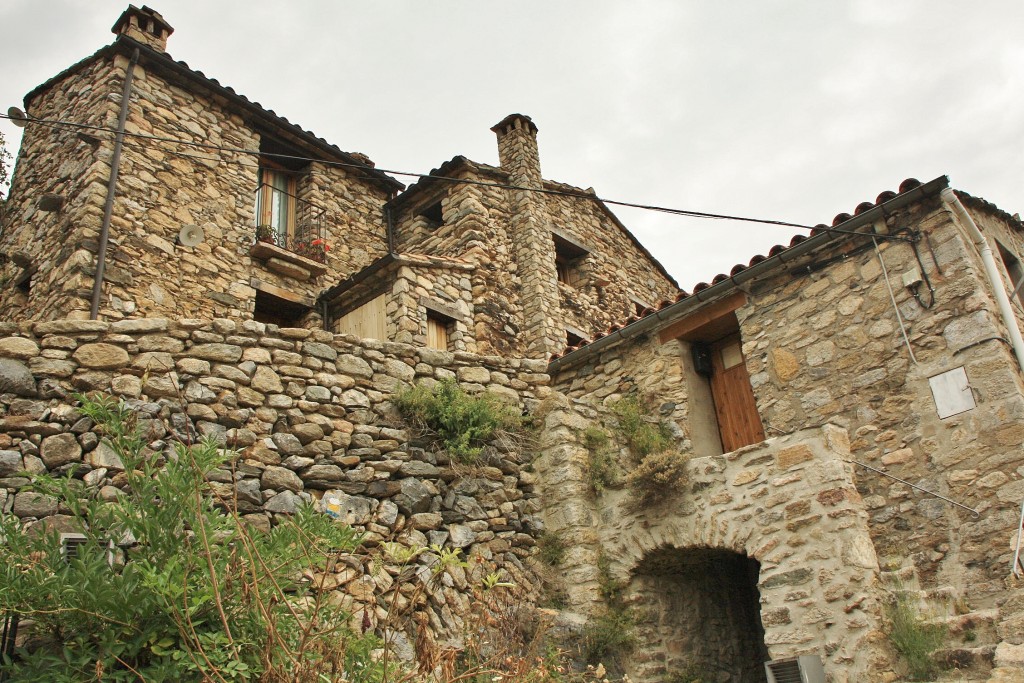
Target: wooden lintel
[281, 293]
[702, 317]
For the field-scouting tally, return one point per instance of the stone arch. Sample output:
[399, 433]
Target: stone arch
[791, 506]
[699, 608]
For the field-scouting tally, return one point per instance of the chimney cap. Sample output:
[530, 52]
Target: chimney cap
[146, 19]
[512, 120]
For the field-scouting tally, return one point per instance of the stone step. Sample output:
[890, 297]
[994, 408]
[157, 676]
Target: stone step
[965, 661]
[977, 627]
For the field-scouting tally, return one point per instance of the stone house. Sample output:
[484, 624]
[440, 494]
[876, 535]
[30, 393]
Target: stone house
[852, 404]
[216, 207]
[823, 393]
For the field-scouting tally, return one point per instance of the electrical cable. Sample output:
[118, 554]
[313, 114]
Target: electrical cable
[424, 176]
[892, 297]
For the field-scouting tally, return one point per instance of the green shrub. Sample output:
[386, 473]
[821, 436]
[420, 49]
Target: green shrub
[689, 672]
[608, 638]
[552, 548]
[462, 423]
[601, 466]
[642, 436]
[198, 595]
[912, 637]
[657, 476]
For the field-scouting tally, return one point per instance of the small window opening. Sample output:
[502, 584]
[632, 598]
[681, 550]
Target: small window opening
[439, 330]
[572, 339]
[568, 261]
[434, 215]
[273, 310]
[1014, 270]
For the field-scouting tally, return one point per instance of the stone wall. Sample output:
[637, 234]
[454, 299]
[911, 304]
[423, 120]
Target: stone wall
[827, 348]
[311, 416]
[788, 507]
[163, 187]
[48, 252]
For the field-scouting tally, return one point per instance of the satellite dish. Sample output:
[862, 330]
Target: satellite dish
[191, 235]
[17, 117]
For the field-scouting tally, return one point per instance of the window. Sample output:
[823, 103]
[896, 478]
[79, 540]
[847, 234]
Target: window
[1014, 270]
[572, 339]
[275, 205]
[433, 215]
[569, 258]
[439, 329]
[275, 310]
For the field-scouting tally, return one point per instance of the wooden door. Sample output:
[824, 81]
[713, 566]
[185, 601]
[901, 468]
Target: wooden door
[738, 420]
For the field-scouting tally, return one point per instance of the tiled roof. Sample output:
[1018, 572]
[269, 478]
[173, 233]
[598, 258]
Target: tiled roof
[906, 186]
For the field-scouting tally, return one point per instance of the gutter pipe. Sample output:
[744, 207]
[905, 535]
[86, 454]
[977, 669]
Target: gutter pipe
[991, 270]
[681, 309]
[108, 208]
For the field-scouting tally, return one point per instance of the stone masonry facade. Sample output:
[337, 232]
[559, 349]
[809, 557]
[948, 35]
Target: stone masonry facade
[855, 477]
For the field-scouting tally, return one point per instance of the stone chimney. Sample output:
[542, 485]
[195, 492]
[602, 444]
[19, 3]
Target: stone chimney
[144, 25]
[517, 149]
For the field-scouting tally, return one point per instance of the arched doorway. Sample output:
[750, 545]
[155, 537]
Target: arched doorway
[699, 608]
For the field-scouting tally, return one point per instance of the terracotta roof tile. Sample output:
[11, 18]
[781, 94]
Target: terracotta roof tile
[906, 186]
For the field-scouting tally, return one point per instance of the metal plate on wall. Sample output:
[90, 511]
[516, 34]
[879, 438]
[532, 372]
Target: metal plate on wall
[952, 393]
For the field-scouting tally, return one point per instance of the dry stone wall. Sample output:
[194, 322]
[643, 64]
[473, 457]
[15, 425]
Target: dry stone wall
[312, 418]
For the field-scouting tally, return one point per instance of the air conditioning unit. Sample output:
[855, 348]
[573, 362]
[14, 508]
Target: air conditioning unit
[806, 669]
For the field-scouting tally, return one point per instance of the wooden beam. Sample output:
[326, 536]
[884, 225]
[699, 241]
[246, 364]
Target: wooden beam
[701, 317]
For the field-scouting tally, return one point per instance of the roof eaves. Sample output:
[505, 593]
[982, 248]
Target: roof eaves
[670, 311]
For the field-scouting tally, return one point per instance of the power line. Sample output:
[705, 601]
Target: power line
[460, 181]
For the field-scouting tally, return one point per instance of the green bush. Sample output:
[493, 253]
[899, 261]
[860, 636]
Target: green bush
[195, 594]
[913, 638]
[463, 423]
[601, 466]
[643, 436]
[608, 638]
[657, 476]
[552, 548]
[689, 672]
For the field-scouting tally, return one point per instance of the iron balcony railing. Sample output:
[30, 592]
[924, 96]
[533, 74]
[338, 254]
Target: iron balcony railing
[284, 220]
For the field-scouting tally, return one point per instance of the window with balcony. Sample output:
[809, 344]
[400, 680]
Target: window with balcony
[275, 205]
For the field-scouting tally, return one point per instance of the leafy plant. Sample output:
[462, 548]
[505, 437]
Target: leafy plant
[607, 638]
[641, 434]
[689, 672]
[657, 476]
[601, 466]
[552, 548]
[463, 423]
[913, 637]
[192, 593]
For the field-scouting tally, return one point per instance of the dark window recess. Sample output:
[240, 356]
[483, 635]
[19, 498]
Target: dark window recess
[568, 259]
[1014, 270]
[273, 310]
[434, 215]
[572, 339]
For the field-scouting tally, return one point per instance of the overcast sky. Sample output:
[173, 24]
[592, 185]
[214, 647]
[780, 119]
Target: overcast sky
[776, 109]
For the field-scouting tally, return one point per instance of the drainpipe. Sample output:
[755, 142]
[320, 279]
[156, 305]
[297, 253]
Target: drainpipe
[991, 270]
[108, 208]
